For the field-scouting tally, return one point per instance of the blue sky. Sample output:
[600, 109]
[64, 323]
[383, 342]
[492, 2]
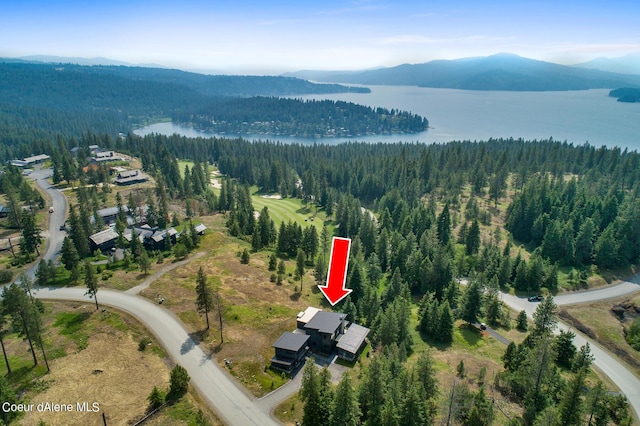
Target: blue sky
[280, 35]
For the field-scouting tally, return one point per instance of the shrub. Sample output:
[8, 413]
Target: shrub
[5, 276]
[633, 334]
[142, 344]
[155, 398]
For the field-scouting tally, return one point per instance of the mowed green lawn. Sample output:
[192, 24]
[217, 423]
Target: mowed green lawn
[289, 209]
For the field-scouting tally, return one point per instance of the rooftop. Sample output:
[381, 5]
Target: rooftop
[326, 322]
[291, 341]
[104, 236]
[352, 339]
[306, 315]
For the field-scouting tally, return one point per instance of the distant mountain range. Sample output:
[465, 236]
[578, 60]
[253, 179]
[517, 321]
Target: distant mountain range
[498, 72]
[629, 64]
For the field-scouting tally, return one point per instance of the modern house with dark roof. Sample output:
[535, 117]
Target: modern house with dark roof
[104, 156]
[324, 329]
[291, 352]
[103, 240]
[4, 211]
[321, 332]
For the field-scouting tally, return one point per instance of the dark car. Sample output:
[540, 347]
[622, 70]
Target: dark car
[483, 326]
[535, 298]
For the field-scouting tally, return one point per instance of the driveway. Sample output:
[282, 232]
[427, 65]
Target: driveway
[229, 398]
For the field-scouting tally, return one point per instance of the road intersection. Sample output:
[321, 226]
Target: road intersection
[228, 397]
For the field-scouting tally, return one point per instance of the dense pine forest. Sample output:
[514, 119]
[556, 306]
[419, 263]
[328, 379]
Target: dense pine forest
[434, 206]
[419, 216]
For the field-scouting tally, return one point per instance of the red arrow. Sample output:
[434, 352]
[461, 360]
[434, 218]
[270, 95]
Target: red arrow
[335, 289]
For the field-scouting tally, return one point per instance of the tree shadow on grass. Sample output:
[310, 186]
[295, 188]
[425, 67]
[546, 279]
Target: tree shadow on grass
[470, 334]
[295, 296]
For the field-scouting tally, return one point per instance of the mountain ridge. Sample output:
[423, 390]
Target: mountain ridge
[497, 72]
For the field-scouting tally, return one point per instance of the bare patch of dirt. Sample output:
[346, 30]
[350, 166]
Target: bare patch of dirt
[111, 372]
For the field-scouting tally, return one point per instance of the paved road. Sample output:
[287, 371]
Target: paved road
[623, 289]
[628, 383]
[227, 397]
[219, 391]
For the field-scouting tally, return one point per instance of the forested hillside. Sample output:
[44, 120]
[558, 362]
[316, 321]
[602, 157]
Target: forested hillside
[44, 101]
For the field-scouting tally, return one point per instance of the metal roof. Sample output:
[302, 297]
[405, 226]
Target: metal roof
[104, 236]
[291, 341]
[352, 339]
[325, 322]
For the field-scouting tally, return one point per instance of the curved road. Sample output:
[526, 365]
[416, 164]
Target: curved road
[219, 391]
[228, 398]
[628, 383]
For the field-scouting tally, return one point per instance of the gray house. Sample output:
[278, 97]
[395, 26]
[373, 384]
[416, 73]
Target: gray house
[324, 330]
[291, 352]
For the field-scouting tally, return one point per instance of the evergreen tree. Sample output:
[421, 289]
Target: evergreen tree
[472, 240]
[91, 282]
[571, 407]
[273, 262]
[345, 408]
[444, 226]
[564, 348]
[472, 302]
[7, 396]
[311, 393]
[371, 391]
[446, 322]
[24, 315]
[521, 321]
[545, 317]
[204, 297]
[300, 267]
[144, 262]
[178, 383]
[245, 257]
[31, 238]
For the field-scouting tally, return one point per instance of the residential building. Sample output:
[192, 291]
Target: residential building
[351, 342]
[130, 177]
[290, 352]
[324, 330]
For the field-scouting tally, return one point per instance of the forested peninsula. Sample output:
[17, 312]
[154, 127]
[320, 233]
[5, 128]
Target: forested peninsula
[626, 94]
[294, 117]
[44, 101]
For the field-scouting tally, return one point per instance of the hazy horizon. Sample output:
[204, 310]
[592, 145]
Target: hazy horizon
[271, 38]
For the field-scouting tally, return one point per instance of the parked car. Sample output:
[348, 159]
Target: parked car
[483, 326]
[51, 209]
[535, 298]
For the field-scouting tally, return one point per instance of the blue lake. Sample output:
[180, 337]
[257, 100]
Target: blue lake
[575, 116]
